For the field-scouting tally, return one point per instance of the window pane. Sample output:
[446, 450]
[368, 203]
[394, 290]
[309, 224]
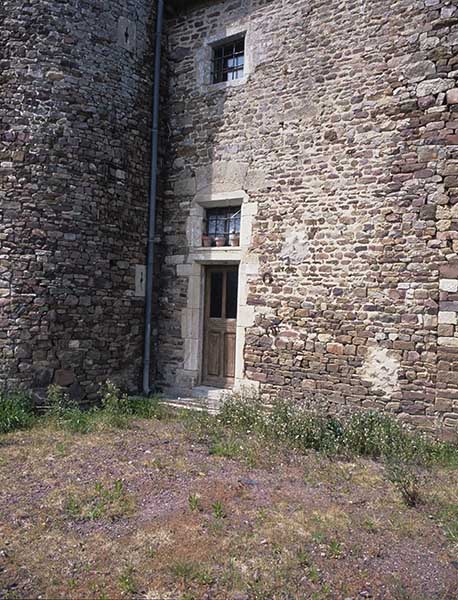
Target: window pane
[231, 294]
[228, 61]
[216, 295]
[222, 221]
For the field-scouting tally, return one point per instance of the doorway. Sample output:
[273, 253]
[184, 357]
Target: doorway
[220, 325]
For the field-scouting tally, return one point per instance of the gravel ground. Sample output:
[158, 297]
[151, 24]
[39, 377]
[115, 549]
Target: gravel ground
[150, 512]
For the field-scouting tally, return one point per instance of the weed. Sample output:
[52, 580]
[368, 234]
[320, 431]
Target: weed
[147, 408]
[189, 571]
[104, 502]
[59, 401]
[113, 401]
[194, 502]
[227, 448]
[116, 411]
[218, 510]
[77, 421]
[366, 433]
[335, 549]
[65, 412]
[448, 517]
[406, 480]
[313, 574]
[127, 581]
[303, 558]
[61, 448]
[16, 412]
[370, 525]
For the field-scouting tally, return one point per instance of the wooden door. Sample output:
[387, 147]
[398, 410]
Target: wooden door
[220, 325]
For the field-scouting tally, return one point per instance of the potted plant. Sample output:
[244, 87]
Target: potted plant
[234, 239]
[207, 241]
[220, 240]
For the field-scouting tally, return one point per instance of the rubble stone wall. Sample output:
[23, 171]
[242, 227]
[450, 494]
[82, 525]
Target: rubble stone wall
[76, 80]
[345, 136]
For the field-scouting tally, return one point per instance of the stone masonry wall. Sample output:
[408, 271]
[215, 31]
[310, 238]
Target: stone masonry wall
[345, 136]
[76, 81]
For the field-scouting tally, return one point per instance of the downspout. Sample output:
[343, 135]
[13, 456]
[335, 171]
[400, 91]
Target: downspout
[152, 201]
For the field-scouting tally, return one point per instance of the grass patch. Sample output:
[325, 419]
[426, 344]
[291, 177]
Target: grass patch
[103, 502]
[368, 434]
[116, 410]
[188, 571]
[16, 411]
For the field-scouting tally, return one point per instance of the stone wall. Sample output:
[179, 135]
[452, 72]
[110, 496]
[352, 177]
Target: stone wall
[76, 80]
[344, 136]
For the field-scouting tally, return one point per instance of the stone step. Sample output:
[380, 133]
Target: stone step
[186, 403]
[210, 393]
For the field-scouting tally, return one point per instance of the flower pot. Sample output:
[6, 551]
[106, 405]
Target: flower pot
[234, 239]
[206, 241]
[220, 241]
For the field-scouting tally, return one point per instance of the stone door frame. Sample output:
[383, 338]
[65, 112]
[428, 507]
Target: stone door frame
[194, 268]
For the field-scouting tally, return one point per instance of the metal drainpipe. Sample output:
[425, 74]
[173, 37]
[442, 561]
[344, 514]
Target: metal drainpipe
[152, 199]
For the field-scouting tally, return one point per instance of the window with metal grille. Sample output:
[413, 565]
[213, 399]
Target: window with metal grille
[221, 222]
[229, 60]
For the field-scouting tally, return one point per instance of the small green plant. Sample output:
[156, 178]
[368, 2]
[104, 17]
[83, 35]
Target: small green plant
[218, 510]
[370, 525]
[147, 408]
[313, 574]
[194, 502]
[406, 480]
[303, 558]
[110, 502]
[116, 411]
[16, 411]
[187, 571]
[225, 447]
[191, 571]
[448, 518]
[335, 549]
[127, 581]
[66, 413]
[59, 401]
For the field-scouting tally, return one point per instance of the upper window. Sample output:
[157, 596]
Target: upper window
[229, 60]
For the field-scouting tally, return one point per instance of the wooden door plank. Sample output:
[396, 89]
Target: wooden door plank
[229, 355]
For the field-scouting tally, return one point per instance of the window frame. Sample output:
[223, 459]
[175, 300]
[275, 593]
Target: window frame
[229, 216]
[227, 51]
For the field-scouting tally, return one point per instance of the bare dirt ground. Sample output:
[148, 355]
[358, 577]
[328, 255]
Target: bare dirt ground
[150, 512]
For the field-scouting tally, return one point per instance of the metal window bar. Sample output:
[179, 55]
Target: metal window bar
[229, 61]
[223, 222]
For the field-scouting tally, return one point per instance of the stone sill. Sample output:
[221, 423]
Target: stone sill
[224, 85]
[226, 253]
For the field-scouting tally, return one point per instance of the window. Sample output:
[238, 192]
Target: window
[222, 222]
[229, 60]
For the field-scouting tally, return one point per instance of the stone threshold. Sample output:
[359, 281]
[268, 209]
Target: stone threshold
[201, 398]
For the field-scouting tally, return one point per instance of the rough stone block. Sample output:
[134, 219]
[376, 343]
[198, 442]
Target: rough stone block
[334, 348]
[449, 318]
[450, 269]
[64, 377]
[452, 342]
[433, 86]
[452, 96]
